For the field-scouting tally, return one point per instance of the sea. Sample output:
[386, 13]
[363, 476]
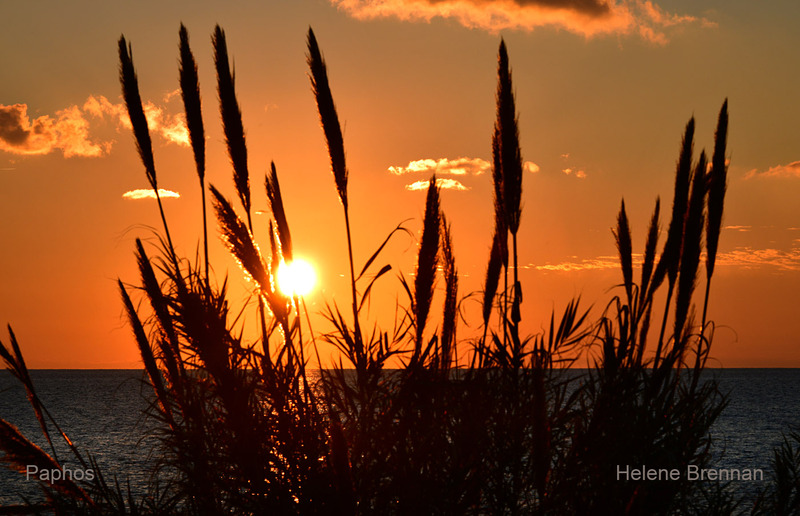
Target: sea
[102, 412]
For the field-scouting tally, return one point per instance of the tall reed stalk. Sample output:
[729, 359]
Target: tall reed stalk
[335, 142]
[190, 92]
[133, 103]
[237, 147]
[427, 264]
[717, 185]
[511, 165]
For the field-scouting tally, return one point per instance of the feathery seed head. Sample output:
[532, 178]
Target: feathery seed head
[508, 135]
[427, 259]
[240, 241]
[650, 252]
[276, 205]
[231, 118]
[717, 185]
[500, 226]
[492, 277]
[328, 116]
[692, 245]
[133, 102]
[622, 235]
[190, 92]
[670, 257]
[450, 274]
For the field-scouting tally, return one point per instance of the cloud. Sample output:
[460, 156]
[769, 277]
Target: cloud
[599, 263]
[443, 166]
[172, 128]
[585, 17]
[150, 194]
[68, 130]
[750, 258]
[660, 17]
[790, 170]
[171, 95]
[580, 174]
[445, 184]
[740, 228]
[456, 167]
[530, 166]
[745, 257]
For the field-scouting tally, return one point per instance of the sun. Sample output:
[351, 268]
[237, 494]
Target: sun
[296, 278]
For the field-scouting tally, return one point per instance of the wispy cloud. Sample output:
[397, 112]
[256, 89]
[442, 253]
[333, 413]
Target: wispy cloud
[585, 17]
[172, 128]
[68, 130]
[744, 257]
[150, 194]
[742, 229]
[444, 183]
[599, 263]
[751, 258]
[790, 170]
[662, 18]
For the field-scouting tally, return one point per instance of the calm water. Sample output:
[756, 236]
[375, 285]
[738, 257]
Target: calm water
[101, 412]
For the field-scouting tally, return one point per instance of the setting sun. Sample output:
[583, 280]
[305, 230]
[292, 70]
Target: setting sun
[296, 278]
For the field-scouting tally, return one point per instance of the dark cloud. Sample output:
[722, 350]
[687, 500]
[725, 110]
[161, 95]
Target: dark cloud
[68, 129]
[21, 136]
[586, 17]
[590, 7]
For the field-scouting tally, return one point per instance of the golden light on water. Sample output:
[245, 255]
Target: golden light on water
[296, 278]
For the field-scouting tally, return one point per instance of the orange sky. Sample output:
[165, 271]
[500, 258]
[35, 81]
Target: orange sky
[603, 92]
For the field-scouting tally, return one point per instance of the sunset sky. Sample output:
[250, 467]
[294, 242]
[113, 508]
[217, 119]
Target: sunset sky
[604, 90]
